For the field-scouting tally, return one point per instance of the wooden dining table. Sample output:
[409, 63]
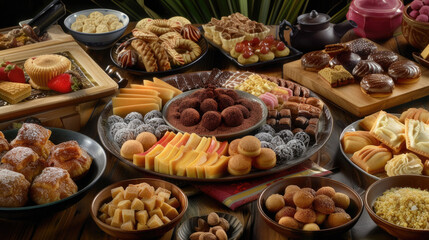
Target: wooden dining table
[75, 222]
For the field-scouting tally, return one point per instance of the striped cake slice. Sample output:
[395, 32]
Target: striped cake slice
[13, 92]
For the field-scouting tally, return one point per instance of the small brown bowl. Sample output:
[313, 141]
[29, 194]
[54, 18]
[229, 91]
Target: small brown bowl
[354, 210]
[416, 33]
[379, 187]
[104, 196]
[420, 60]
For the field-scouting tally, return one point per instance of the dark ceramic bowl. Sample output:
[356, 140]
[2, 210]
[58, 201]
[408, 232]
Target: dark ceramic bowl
[354, 210]
[188, 227]
[378, 188]
[105, 196]
[420, 60]
[87, 182]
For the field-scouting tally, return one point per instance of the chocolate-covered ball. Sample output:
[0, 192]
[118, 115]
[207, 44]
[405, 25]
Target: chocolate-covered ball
[224, 101]
[232, 116]
[245, 103]
[244, 110]
[211, 120]
[233, 94]
[189, 103]
[189, 117]
[209, 104]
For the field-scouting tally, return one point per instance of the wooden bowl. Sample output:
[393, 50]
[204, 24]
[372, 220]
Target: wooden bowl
[104, 196]
[379, 187]
[416, 33]
[354, 210]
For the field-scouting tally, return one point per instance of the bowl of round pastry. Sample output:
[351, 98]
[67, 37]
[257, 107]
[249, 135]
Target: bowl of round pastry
[310, 207]
[97, 28]
[139, 208]
[47, 173]
[399, 205]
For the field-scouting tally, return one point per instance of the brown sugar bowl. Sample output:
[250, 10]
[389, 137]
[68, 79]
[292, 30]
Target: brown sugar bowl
[105, 196]
[354, 210]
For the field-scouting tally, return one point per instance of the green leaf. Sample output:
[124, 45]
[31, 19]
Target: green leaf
[193, 10]
[205, 10]
[296, 9]
[243, 7]
[223, 7]
[131, 8]
[340, 15]
[213, 8]
[274, 11]
[175, 7]
[149, 11]
[263, 11]
[284, 10]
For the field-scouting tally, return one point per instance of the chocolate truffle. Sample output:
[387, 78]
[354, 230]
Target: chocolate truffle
[284, 153]
[123, 135]
[134, 123]
[263, 136]
[224, 101]
[233, 94]
[304, 137]
[209, 104]
[145, 128]
[156, 122]
[232, 116]
[152, 114]
[267, 128]
[189, 103]
[244, 110]
[117, 126]
[265, 144]
[189, 117]
[277, 141]
[211, 120]
[347, 59]
[133, 115]
[297, 146]
[245, 103]
[286, 135]
[114, 119]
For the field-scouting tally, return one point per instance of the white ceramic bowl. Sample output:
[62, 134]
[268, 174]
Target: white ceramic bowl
[97, 40]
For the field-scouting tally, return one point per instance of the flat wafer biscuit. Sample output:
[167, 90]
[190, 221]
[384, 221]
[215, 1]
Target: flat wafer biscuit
[13, 92]
[417, 136]
[390, 131]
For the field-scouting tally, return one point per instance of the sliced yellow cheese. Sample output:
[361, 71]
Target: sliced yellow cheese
[181, 166]
[183, 140]
[425, 53]
[150, 92]
[163, 164]
[217, 169]
[164, 93]
[159, 83]
[122, 101]
[191, 170]
[182, 162]
[204, 144]
[167, 150]
[211, 159]
[193, 141]
[141, 108]
[150, 157]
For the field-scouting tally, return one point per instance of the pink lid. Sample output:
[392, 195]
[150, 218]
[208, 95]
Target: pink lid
[378, 8]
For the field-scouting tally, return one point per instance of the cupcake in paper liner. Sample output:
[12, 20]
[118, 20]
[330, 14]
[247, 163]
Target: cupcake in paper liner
[255, 29]
[216, 34]
[230, 37]
[44, 67]
[208, 30]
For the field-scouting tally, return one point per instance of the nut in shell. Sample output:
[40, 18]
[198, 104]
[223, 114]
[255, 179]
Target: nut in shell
[213, 219]
[207, 236]
[195, 236]
[202, 226]
[224, 224]
[215, 229]
[221, 235]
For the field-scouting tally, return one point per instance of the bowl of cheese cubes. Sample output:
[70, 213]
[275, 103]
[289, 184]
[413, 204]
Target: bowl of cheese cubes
[139, 208]
[97, 28]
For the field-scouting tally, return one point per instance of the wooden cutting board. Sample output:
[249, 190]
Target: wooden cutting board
[56, 36]
[103, 85]
[350, 97]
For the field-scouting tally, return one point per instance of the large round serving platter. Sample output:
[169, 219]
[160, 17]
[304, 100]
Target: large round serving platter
[202, 43]
[352, 128]
[323, 134]
[223, 136]
[97, 168]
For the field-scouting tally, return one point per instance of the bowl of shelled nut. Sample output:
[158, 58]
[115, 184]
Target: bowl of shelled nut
[215, 225]
[139, 208]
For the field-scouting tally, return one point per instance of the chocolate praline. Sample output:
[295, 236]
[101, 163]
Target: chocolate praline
[224, 101]
[362, 47]
[384, 58]
[377, 83]
[365, 67]
[232, 116]
[209, 104]
[211, 120]
[314, 61]
[347, 59]
[189, 103]
[244, 110]
[189, 117]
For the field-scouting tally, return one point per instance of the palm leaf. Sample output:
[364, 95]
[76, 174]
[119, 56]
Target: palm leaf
[148, 11]
[243, 7]
[131, 8]
[274, 11]
[340, 15]
[205, 10]
[263, 11]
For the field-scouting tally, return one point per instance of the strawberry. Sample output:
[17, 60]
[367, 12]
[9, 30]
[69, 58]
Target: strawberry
[15, 73]
[64, 83]
[3, 74]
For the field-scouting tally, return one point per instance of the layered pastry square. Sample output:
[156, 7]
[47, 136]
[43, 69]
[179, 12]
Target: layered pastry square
[417, 136]
[336, 76]
[13, 92]
[390, 131]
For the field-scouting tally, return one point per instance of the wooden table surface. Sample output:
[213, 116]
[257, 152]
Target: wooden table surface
[76, 223]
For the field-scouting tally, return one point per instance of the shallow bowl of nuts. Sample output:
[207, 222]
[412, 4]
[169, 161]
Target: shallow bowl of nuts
[215, 225]
[310, 207]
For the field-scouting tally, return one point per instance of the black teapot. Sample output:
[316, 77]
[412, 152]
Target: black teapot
[314, 31]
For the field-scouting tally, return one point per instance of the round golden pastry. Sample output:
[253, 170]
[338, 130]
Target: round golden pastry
[249, 146]
[288, 197]
[13, 189]
[289, 222]
[252, 59]
[131, 147]
[161, 56]
[239, 165]
[303, 199]
[274, 202]
[188, 49]
[266, 57]
[23, 160]
[282, 53]
[328, 191]
[147, 139]
[161, 26]
[233, 147]
[305, 215]
[43, 68]
[142, 23]
[310, 190]
[323, 204]
[311, 227]
[337, 219]
[266, 159]
[285, 211]
[71, 157]
[292, 188]
[180, 19]
[51, 185]
[341, 200]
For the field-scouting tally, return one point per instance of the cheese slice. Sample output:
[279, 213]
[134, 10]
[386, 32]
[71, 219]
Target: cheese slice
[125, 101]
[217, 169]
[178, 167]
[191, 170]
[199, 167]
[425, 53]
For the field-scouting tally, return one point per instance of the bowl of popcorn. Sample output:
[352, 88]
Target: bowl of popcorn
[139, 208]
[97, 28]
[415, 23]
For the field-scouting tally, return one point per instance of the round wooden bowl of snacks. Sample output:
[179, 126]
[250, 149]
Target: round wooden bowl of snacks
[354, 209]
[160, 225]
[401, 183]
[85, 183]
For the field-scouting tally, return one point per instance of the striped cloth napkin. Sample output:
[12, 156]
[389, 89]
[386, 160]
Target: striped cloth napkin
[235, 194]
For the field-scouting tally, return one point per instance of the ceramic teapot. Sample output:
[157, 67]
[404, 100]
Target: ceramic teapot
[314, 31]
